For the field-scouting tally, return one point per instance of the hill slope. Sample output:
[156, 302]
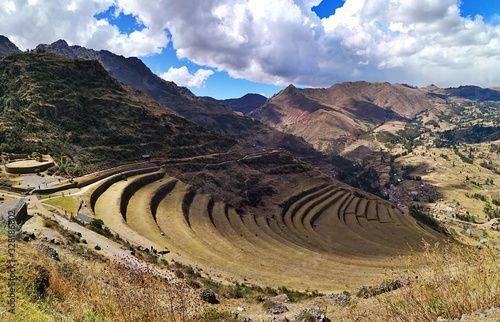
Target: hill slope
[332, 118]
[73, 108]
[134, 73]
[341, 112]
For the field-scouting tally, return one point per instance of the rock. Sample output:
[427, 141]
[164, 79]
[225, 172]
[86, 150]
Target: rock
[275, 319]
[97, 247]
[281, 298]
[278, 308]
[311, 315]
[341, 299]
[51, 252]
[262, 298]
[209, 296]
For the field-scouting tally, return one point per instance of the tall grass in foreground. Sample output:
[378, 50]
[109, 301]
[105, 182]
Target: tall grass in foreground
[82, 287]
[453, 280]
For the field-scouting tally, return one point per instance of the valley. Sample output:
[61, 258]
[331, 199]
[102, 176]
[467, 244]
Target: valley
[317, 195]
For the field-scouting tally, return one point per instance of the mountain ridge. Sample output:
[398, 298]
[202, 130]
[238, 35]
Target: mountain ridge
[244, 104]
[133, 72]
[345, 111]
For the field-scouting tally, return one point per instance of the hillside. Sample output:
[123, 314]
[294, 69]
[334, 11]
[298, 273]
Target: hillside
[75, 111]
[214, 116]
[332, 119]
[211, 196]
[245, 104]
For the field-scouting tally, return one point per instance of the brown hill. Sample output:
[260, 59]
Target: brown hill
[333, 117]
[75, 111]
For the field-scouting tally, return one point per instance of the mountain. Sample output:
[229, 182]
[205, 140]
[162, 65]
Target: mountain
[75, 111]
[245, 104]
[134, 73]
[7, 47]
[333, 118]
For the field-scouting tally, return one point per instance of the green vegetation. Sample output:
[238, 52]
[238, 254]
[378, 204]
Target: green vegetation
[75, 111]
[68, 203]
[491, 212]
[465, 158]
[478, 196]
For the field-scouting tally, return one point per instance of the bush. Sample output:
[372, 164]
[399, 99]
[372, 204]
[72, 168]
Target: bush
[209, 296]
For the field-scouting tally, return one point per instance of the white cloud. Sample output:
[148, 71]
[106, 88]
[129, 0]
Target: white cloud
[29, 23]
[181, 76]
[281, 41]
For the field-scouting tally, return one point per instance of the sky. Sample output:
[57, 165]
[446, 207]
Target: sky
[227, 48]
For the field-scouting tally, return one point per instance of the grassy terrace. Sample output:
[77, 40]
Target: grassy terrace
[329, 234]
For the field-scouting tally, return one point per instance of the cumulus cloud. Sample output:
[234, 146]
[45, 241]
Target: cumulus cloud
[30, 22]
[181, 76]
[281, 41]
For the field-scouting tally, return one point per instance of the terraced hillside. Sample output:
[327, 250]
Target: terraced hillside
[326, 237]
[75, 111]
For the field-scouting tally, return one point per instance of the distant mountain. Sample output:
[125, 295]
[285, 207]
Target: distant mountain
[245, 104]
[7, 47]
[334, 117]
[474, 93]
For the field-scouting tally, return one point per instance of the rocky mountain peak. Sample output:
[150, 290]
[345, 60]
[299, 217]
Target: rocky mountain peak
[7, 47]
[60, 43]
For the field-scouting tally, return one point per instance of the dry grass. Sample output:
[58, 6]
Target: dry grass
[85, 288]
[457, 280]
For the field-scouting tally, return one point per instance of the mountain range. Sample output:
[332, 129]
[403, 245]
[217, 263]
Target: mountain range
[342, 113]
[328, 119]
[304, 121]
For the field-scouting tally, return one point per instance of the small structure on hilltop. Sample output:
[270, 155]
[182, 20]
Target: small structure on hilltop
[15, 209]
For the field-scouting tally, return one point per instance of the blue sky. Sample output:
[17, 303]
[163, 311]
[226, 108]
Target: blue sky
[227, 48]
[221, 85]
